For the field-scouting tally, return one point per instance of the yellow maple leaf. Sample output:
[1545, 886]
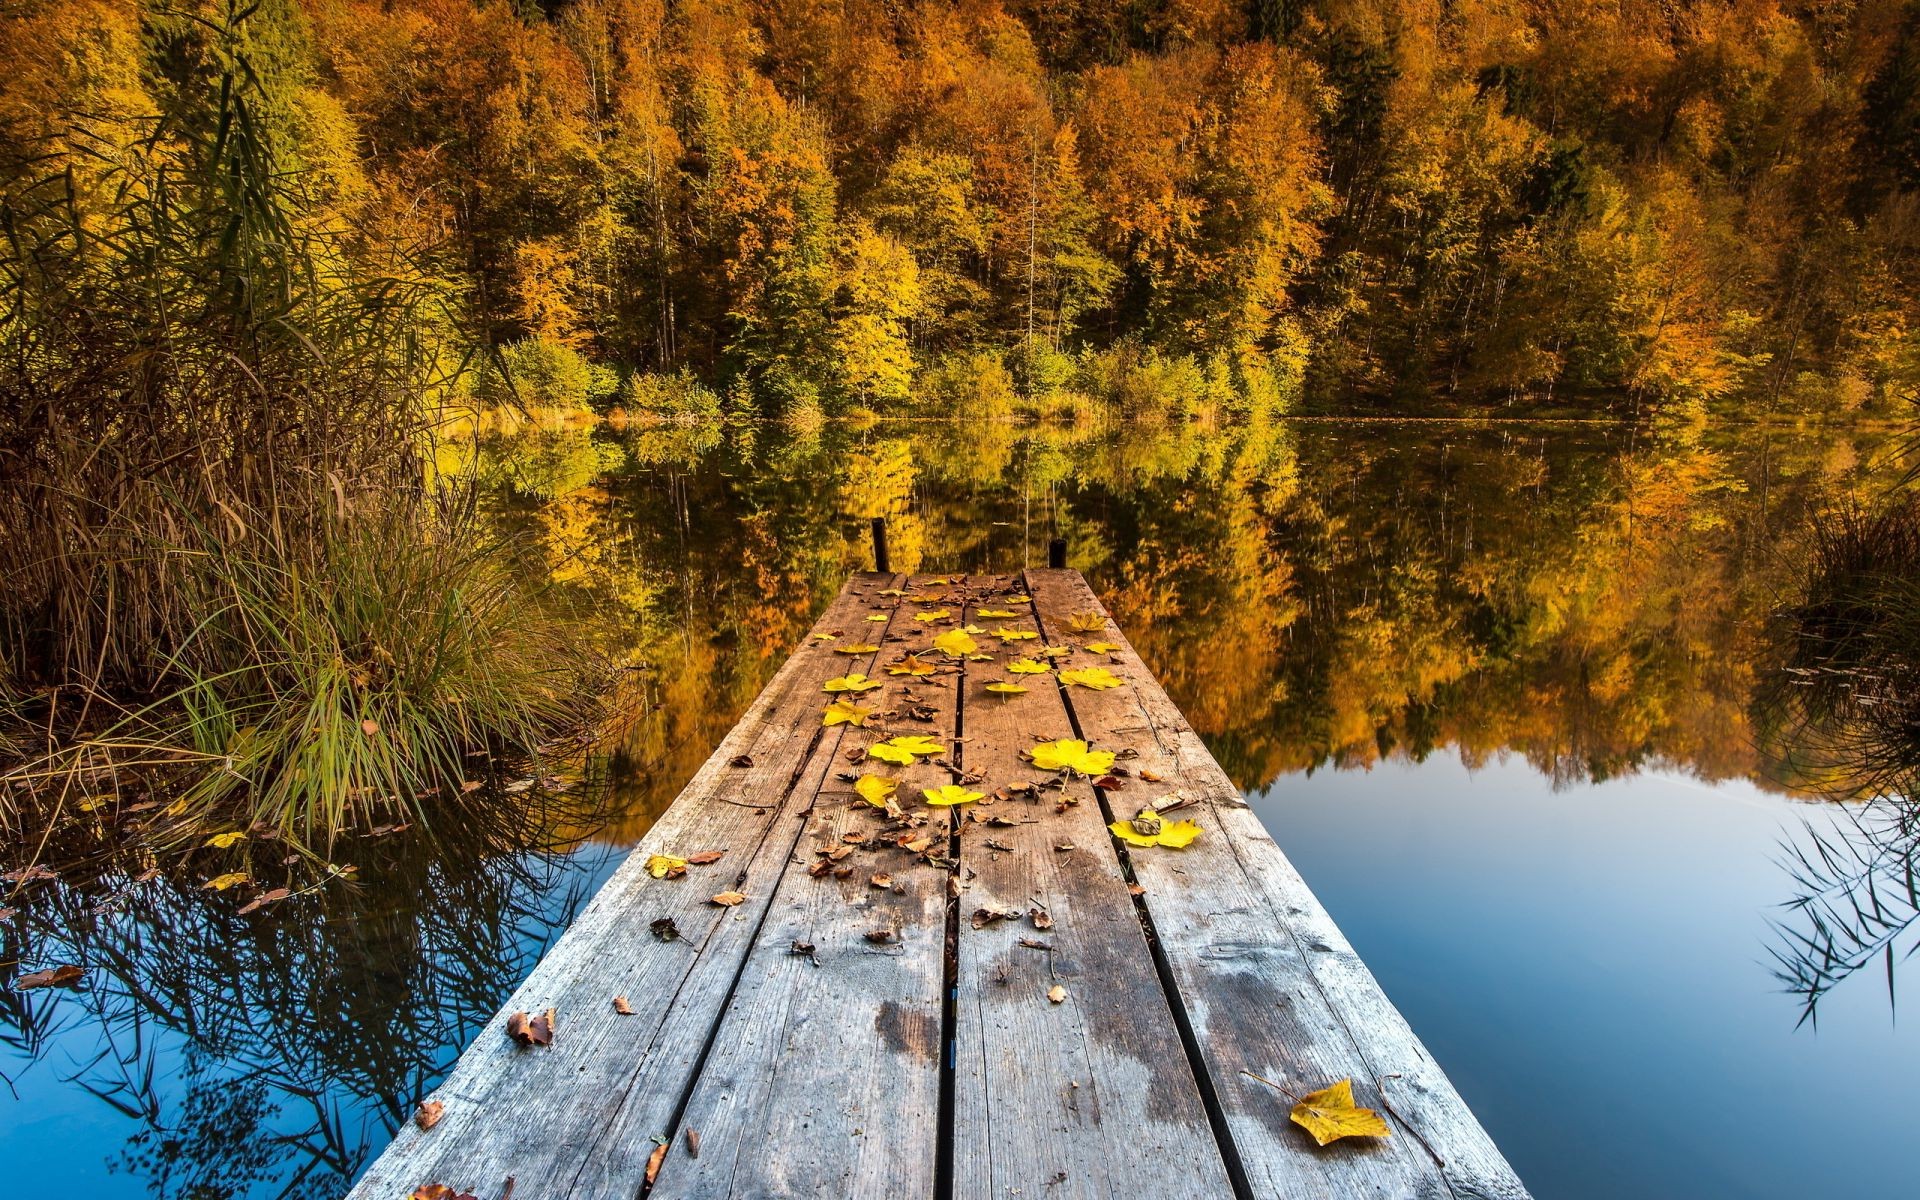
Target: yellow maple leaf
[902, 749]
[856, 648]
[955, 642]
[876, 788]
[1330, 1114]
[852, 682]
[845, 712]
[994, 614]
[825, 637]
[1103, 647]
[221, 883]
[220, 841]
[950, 794]
[935, 615]
[1001, 688]
[1054, 651]
[1086, 622]
[892, 592]
[1097, 678]
[975, 630]
[912, 664]
[660, 866]
[1028, 666]
[876, 616]
[1019, 599]
[1015, 635]
[1071, 754]
[1147, 829]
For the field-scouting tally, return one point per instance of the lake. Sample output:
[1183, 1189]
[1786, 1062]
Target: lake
[1504, 692]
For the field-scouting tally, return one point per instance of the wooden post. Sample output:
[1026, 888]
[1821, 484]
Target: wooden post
[1057, 553]
[881, 562]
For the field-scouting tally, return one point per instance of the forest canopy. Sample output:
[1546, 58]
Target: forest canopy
[800, 206]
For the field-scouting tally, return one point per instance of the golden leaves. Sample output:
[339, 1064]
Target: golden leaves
[852, 682]
[729, 899]
[221, 883]
[1015, 635]
[950, 794]
[1103, 647]
[1148, 829]
[845, 712]
[902, 750]
[955, 642]
[1330, 1114]
[1098, 678]
[912, 664]
[876, 789]
[1002, 688]
[876, 616]
[855, 648]
[994, 614]
[1087, 622]
[1054, 651]
[666, 866]
[1028, 666]
[937, 614]
[220, 841]
[1071, 754]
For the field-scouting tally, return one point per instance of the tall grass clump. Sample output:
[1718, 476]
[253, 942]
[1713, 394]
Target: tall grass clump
[223, 561]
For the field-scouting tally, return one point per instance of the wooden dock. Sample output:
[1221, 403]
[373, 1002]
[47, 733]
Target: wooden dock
[994, 999]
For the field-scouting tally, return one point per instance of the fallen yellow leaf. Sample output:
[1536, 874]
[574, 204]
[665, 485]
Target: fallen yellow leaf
[995, 614]
[876, 789]
[1054, 651]
[825, 637]
[1028, 666]
[220, 841]
[949, 794]
[1086, 622]
[728, 899]
[1001, 688]
[221, 883]
[1147, 829]
[663, 866]
[854, 682]
[912, 664]
[955, 642]
[876, 616]
[1103, 647]
[934, 615]
[1071, 754]
[856, 648]
[975, 630]
[902, 749]
[1098, 678]
[1330, 1114]
[844, 712]
[1015, 635]
[1057, 993]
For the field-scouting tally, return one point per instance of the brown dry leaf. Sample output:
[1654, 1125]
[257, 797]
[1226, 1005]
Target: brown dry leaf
[621, 1006]
[1136, 890]
[1057, 993]
[1151, 777]
[263, 899]
[740, 760]
[664, 929]
[8, 914]
[705, 856]
[1042, 919]
[693, 1142]
[983, 917]
[439, 1191]
[537, 1031]
[62, 976]
[654, 1160]
[428, 1114]
[881, 881]
[729, 899]
[880, 936]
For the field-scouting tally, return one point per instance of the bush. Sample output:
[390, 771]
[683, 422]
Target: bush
[536, 374]
[679, 398]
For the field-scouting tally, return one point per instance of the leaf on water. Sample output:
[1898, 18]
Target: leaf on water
[902, 750]
[1002, 688]
[1015, 635]
[1028, 666]
[1057, 993]
[956, 643]
[1097, 678]
[845, 712]
[705, 856]
[1087, 622]
[995, 614]
[537, 1031]
[428, 1114]
[263, 899]
[1330, 1114]
[1103, 647]
[621, 1006]
[912, 664]
[220, 841]
[221, 883]
[935, 615]
[852, 682]
[856, 648]
[666, 866]
[1071, 754]
[61, 976]
[876, 788]
[950, 794]
[729, 899]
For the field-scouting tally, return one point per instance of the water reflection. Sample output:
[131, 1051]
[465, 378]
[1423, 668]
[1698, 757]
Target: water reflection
[1592, 598]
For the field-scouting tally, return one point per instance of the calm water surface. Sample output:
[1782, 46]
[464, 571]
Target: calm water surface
[1500, 691]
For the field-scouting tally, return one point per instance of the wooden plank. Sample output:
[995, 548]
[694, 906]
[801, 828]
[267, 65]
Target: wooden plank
[824, 1078]
[1267, 983]
[531, 1113]
[1091, 1097]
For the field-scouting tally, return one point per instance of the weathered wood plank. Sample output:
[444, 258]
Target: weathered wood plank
[824, 1079]
[1090, 1098]
[1266, 981]
[533, 1112]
